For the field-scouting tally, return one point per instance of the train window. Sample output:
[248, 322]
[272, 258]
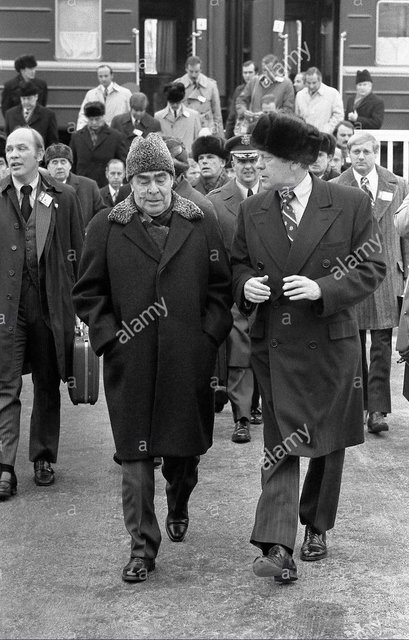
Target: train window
[392, 38]
[159, 46]
[78, 30]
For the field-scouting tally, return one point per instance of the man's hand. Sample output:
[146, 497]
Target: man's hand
[301, 288]
[404, 356]
[255, 291]
[352, 116]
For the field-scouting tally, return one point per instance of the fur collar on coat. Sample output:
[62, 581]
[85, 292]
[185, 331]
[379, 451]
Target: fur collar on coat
[124, 211]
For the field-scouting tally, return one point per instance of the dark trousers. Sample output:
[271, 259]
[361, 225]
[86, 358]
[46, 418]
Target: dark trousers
[34, 339]
[376, 375]
[240, 391]
[138, 492]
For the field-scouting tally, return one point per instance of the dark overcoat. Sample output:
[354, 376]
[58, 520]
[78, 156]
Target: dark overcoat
[158, 319]
[90, 161]
[308, 354]
[88, 195]
[42, 120]
[59, 237]
[370, 111]
[123, 124]
[380, 310]
[11, 93]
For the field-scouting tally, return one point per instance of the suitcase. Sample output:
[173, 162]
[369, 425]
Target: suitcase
[83, 386]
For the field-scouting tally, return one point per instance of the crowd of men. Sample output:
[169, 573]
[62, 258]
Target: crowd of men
[268, 265]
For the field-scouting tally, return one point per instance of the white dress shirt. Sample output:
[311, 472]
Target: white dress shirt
[372, 179]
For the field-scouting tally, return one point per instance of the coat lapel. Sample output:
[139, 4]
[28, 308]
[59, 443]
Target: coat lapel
[102, 136]
[180, 229]
[387, 183]
[135, 232]
[232, 198]
[45, 220]
[270, 228]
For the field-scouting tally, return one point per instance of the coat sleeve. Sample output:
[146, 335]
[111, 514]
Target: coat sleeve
[375, 119]
[288, 99]
[91, 294]
[121, 148]
[218, 319]
[241, 266]
[401, 219]
[216, 108]
[337, 112]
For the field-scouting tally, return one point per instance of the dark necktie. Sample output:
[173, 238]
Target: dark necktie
[365, 187]
[175, 113]
[249, 193]
[25, 206]
[105, 93]
[288, 214]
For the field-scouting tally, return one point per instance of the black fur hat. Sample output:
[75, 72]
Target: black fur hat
[208, 144]
[94, 109]
[287, 137]
[328, 143]
[25, 62]
[363, 76]
[28, 89]
[175, 92]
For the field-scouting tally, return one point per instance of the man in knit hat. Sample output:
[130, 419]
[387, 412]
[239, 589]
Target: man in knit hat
[210, 154]
[365, 110]
[155, 291]
[58, 160]
[176, 119]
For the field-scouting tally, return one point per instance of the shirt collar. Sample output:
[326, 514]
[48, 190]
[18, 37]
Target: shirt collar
[18, 184]
[372, 179]
[303, 189]
[243, 190]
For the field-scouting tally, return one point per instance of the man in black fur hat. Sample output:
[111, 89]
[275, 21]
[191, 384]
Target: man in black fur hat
[176, 119]
[26, 70]
[210, 154]
[365, 110]
[297, 255]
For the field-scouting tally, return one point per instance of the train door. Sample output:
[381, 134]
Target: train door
[164, 36]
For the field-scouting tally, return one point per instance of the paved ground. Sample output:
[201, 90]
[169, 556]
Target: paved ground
[62, 548]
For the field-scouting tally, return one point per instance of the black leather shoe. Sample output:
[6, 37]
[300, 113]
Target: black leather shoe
[137, 569]
[43, 473]
[377, 422]
[8, 487]
[314, 546]
[278, 564]
[256, 416]
[176, 529]
[241, 431]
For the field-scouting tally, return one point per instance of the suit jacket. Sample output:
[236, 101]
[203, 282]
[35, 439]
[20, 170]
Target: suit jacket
[42, 120]
[88, 195]
[123, 124]
[59, 237]
[380, 310]
[91, 161]
[310, 351]
[12, 92]
[107, 198]
[370, 112]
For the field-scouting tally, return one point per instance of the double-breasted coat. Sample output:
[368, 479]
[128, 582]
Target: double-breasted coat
[42, 120]
[59, 237]
[380, 310]
[307, 354]
[90, 161]
[158, 319]
[11, 93]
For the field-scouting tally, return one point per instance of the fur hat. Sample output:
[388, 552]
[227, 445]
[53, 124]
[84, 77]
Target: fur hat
[94, 109]
[175, 92]
[328, 143]
[363, 76]
[25, 62]
[287, 137]
[148, 154]
[179, 154]
[29, 89]
[208, 144]
[58, 150]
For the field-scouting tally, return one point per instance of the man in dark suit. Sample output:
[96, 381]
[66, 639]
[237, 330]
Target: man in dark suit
[379, 312]
[226, 200]
[322, 168]
[95, 144]
[115, 174]
[290, 256]
[29, 112]
[58, 160]
[41, 234]
[136, 122]
[365, 110]
[26, 70]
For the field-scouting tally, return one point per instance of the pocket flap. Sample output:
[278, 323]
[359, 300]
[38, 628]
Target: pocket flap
[344, 329]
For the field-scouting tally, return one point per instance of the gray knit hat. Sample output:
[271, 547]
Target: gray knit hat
[148, 154]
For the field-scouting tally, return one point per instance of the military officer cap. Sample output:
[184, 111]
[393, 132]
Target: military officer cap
[241, 147]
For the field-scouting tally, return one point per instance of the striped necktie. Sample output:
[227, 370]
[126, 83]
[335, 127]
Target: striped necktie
[288, 214]
[365, 187]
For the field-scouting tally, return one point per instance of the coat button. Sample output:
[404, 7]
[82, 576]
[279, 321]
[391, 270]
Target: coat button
[274, 343]
[276, 305]
[326, 263]
[12, 273]
[312, 345]
[260, 265]
[9, 297]
[10, 329]
[17, 226]
[14, 247]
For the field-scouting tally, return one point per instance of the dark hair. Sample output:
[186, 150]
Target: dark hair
[26, 61]
[101, 66]
[247, 63]
[328, 143]
[344, 123]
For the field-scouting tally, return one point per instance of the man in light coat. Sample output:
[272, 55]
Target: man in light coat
[112, 95]
[318, 104]
[155, 290]
[176, 119]
[290, 244]
[379, 312]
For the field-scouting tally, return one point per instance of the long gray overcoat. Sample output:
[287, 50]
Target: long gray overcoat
[158, 320]
[307, 355]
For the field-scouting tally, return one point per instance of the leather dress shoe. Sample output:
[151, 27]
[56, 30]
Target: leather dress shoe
[278, 563]
[314, 546]
[241, 431]
[137, 569]
[43, 473]
[176, 528]
[256, 416]
[8, 487]
[377, 422]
